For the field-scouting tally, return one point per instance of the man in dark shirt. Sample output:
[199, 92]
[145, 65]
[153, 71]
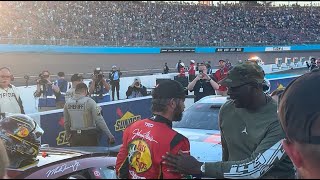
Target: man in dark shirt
[203, 85]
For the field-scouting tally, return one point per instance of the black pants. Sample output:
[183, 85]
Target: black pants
[115, 85]
[85, 138]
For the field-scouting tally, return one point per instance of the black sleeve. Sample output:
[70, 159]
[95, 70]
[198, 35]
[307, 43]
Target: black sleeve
[143, 91]
[129, 91]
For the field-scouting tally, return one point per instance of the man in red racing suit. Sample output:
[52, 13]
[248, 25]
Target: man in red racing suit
[146, 141]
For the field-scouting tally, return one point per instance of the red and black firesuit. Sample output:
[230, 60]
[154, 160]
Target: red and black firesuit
[144, 144]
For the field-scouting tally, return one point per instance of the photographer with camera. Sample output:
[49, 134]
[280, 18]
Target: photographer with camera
[99, 87]
[136, 89]
[47, 92]
[202, 85]
[114, 77]
[63, 87]
[10, 101]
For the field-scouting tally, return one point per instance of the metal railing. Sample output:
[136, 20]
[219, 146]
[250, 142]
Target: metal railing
[141, 43]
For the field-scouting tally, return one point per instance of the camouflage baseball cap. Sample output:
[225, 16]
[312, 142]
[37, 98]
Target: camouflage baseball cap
[243, 73]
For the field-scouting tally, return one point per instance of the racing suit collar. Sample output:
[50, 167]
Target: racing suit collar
[161, 119]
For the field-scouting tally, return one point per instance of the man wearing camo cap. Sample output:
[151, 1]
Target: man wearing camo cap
[251, 134]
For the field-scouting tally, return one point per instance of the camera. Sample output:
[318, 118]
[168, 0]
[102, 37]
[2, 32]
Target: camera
[137, 84]
[200, 71]
[26, 77]
[43, 80]
[98, 74]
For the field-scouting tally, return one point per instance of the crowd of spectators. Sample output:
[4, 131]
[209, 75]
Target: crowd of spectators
[132, 23]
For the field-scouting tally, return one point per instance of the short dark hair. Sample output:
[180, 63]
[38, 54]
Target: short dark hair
[61, 74]
[81, 87]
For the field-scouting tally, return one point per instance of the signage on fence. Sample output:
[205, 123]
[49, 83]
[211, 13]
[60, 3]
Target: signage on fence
[118, 116]
[279, 48]
[177, 50]
[229, 49]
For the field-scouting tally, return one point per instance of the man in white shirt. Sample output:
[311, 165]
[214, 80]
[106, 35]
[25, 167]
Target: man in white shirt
[10, 101]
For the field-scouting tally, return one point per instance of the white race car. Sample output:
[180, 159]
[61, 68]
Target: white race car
[200, 125]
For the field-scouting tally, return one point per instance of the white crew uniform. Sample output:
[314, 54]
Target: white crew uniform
[9, 98]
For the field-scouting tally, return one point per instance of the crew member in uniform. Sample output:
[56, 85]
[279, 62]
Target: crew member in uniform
[10, 101]
[83, 120]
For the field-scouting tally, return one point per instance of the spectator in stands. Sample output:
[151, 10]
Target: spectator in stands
[114, 77]
[75, 80]
[165, 68]
[63, 87]
[10, 100]
[219, 75]
[131, 23]
[192, 71]
[46, 91]
[202, 85]
[136, 89]
[300, 119]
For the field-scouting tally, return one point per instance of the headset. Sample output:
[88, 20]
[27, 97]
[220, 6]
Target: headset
[12, 77]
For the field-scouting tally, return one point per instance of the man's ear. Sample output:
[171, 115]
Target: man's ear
[293, 152]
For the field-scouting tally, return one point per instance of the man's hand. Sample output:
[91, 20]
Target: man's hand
[199, 76]
[112, 140]
[94, 78]
[182, 163]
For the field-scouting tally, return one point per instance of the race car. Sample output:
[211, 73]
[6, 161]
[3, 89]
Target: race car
[200, 125]
[69, 163]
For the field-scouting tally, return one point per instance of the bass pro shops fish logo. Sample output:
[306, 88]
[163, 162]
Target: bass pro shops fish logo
[125, 120]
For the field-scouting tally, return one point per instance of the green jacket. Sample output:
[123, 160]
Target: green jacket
[251, 144]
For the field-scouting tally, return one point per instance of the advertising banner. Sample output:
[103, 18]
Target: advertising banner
[279, 48]
[117, 116]
[177, 50]
[229, 49]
